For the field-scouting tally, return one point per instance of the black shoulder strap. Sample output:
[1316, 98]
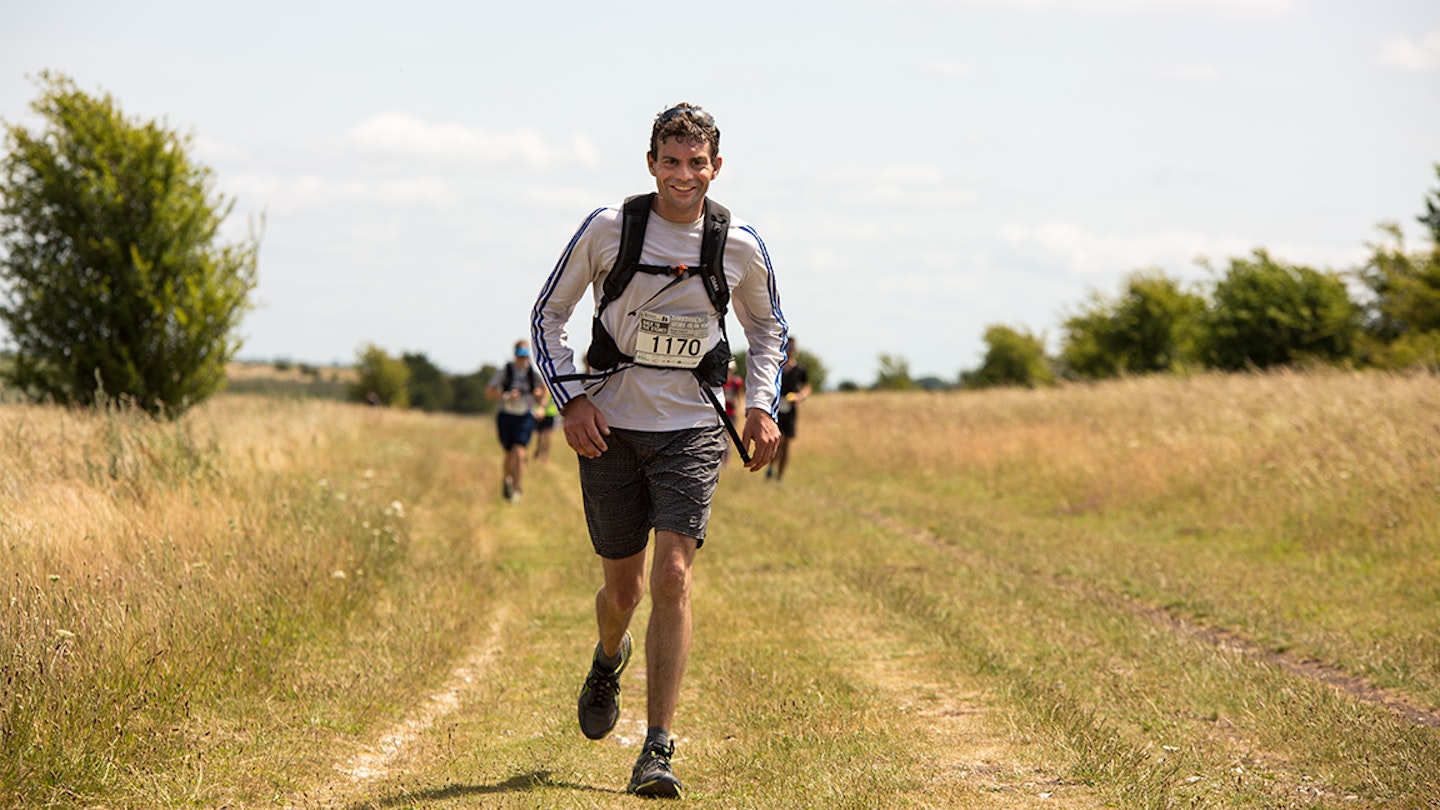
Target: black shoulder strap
[635, 215]
[712, 255]
[529, 376]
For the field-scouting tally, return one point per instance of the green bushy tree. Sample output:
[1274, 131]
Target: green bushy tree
[1013, 357]
[115, 284]
[470, 395]
[1153, 326]
[1264, 313]
[431, 390]
[382, 379]
[894, 374]
[1431, 217]
[1402, 316]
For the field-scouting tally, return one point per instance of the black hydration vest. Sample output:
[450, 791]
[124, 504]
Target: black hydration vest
[530, 377]
[605, 357]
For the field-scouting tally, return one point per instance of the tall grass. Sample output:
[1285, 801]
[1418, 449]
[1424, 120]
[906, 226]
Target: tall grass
[1155, 559]
[1161, 592]
[1300, 508]
[165, 581]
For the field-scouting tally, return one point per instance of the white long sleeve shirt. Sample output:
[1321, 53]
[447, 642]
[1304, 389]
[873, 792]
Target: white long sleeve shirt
[656, 399]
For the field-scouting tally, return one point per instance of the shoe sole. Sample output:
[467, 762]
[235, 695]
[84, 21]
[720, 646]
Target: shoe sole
[602, 735]
[658, 789]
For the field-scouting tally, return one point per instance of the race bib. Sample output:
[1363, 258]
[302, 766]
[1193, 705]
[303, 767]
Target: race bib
[671, 341]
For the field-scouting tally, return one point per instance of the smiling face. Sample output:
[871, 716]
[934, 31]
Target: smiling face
[683, 169]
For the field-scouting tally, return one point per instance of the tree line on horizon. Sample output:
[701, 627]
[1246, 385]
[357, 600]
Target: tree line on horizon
[1259, 313]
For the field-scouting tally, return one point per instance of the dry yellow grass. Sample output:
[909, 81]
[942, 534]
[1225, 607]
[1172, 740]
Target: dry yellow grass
[1304, 437]
[1080, 597]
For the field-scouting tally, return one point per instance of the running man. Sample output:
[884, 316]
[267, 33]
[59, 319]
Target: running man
[646, 420]
[519, 390]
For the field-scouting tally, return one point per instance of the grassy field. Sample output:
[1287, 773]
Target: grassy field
[1211, 592]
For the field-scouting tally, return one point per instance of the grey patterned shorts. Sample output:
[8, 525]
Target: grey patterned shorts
[650, 480]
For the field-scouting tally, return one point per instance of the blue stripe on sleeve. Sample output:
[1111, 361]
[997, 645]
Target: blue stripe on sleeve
[774, 293]
[544, 356]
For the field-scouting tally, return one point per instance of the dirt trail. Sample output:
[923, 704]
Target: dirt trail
[377, 761]
[968, 750]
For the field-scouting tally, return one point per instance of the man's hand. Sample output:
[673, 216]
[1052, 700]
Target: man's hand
[585, 428]
[761, 437]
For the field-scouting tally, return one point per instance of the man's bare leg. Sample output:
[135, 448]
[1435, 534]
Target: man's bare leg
[667, 639]
[617, 599]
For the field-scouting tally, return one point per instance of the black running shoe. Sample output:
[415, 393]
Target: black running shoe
[652, 776]
[600, 696]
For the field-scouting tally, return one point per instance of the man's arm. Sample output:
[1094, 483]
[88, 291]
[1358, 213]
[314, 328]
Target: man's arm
[566, 285]
[757, 308]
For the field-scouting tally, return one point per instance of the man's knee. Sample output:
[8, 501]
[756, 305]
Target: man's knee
[670, 572]
[625, 583]
[624, 598]
[670, 583]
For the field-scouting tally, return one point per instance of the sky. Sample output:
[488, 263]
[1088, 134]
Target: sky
[918, 169]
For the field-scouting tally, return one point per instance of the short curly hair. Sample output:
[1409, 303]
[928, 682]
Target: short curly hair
[685, 122]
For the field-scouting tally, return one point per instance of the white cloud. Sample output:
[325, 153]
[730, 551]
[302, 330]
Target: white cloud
[1080, 253]
[1091, 256]
[415, 191]
[1411, 54]
[1188, 72]
[403, 135]
[212, 150]
[952, 67]
[1189, 8]
[282, 195]
[911, 184]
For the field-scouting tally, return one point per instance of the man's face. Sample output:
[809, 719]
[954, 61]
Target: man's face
[683, 171]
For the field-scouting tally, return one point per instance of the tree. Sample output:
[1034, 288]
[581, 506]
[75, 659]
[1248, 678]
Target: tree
[430, 389]
[1013, 357]
[382, 380]
[1153, 326]
[1402, 317]
[1431, 218]
[894, 374]
[470, 395]
[1264, 313]
[115, 285]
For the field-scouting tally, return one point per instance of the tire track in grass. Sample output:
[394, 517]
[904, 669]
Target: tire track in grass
[967, 757]
[376, 762]
[939, 733]
[1223, 639]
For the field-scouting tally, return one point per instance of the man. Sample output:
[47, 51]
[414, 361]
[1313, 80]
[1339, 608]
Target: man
[646, 421]
[794, 389]
[519, 390]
